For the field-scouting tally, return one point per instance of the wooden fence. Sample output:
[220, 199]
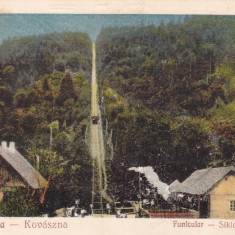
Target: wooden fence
[172, 215]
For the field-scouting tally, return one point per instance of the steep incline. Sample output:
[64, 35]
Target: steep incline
[99, 184]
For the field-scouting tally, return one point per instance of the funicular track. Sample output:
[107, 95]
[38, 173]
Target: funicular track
[99, 179]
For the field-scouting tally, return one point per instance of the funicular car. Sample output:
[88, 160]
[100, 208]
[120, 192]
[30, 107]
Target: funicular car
[95, 120]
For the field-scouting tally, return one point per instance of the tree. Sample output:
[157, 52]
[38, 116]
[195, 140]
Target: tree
[66, 89]
[50, 163]
[45, 86]
[9, 75]
[5, 96]
[20, 99]
[18, 203]
[53, 125]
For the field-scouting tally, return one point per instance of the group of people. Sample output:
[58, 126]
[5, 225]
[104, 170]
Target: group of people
[120, 215]
[75, 212]
[108, 209]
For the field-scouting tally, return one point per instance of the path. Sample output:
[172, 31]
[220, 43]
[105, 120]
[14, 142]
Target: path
[99, 182]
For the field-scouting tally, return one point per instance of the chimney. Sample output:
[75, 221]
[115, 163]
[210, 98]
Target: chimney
[12, 148]
[4, 145]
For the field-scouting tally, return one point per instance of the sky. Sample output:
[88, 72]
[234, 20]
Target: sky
[18, 25]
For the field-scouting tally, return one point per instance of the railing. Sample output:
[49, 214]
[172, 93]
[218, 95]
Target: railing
[172, 215]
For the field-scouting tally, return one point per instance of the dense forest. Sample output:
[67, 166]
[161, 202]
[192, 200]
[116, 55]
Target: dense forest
[44, 108]
[167, 93]
[23, 60]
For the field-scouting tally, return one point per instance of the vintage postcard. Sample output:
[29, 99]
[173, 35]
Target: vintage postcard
[122, 122]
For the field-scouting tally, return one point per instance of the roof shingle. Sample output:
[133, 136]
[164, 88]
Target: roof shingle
[202, 181]
[24, 168]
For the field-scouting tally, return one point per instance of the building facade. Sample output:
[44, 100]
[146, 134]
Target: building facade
[212, 190]
[222, 199]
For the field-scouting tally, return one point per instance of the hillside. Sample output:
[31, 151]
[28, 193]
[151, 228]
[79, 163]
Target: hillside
[23, 60]
[45, 110]
[168, 94]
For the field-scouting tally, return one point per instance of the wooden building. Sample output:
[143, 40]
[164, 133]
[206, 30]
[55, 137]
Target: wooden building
[16, 171]
[212, 191]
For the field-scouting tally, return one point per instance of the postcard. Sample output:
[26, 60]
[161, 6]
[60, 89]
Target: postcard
[118, 118]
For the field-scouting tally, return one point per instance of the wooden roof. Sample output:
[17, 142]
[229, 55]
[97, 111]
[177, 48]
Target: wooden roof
[173, 185]
[27, 172]
[202, 181]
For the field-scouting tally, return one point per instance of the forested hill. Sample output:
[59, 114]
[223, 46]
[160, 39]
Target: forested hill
[168, 94]
[23, 60]
[172, 66]
[45, 110]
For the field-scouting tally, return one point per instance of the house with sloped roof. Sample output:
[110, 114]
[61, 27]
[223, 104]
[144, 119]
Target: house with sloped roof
[212, 190]
[16, 171]
[173, 184]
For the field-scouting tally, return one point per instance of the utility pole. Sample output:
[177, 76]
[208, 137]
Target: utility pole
[50, 137]
[38, 161]
[106, 127]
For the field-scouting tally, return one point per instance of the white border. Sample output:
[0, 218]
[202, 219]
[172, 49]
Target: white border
[115, 226]
[119, 6]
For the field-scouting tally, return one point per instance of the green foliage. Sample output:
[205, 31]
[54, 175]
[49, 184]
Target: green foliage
[36, 117]
[168, 94]
[54, 125]
[47, 162]
[18, 203]
[8, 71]
[5, 96]
[115, 108]
[45, 86]
[61, 142]
[66, 89]
[161, 66]
[142, 137]
[24, 60]
[225, 75]
[225, 113]
[20, 99]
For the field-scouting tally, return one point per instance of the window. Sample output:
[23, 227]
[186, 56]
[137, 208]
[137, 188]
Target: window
[232, 205]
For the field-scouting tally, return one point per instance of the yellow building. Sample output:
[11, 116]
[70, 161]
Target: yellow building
[213, 191]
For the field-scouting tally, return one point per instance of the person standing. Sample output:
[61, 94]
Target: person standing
[83, 212]
[108, 208]
[91, 209]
